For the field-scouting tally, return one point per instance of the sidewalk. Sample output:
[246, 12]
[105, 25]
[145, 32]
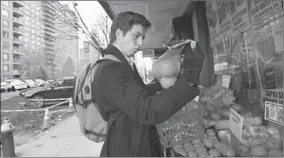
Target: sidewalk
[65, 140]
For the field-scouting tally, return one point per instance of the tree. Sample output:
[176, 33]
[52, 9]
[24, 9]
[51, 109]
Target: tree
[68, 68]
[94, 36]
[33, 66]
[101, 30]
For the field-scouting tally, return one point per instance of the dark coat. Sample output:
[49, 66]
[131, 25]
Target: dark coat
[133, 133]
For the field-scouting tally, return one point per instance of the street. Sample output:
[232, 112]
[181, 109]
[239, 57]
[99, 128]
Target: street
[7, 95]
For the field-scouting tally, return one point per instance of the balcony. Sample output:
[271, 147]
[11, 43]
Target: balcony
[16, 71]
[48, 24]
[18, 4]
[17, 41]
[49, 20]
[49, 38]
[48, 6]
[48, 33]
[50, 57]
[49, 43]
[48, 62]
[16, 62]
[17, 22]
[50, 50]
[17, 12]
[47, 13]
[17, 31]
[18, 52]
[48, 29]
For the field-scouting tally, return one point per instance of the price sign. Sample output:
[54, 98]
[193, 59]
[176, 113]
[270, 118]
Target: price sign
[150, 53]
[196, 98]
[274, 112]
[226, 79]
[236, 122]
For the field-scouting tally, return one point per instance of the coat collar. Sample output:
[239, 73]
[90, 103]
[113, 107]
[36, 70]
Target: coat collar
[111, 49]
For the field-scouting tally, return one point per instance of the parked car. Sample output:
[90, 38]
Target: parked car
[40, 82]
[62, 88]
[30, 83]
[23, 92]
[5, 87]
[49, 81]
[16, 84]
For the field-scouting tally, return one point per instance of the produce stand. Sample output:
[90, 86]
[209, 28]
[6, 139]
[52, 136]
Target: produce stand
[243, 114]
[258, 137]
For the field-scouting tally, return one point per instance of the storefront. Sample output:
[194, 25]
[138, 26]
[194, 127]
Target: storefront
[247, 43]
[244, 45]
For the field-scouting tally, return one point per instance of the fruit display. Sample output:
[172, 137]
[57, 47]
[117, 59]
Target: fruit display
[218, 97]
[207, 146]
[257, 141]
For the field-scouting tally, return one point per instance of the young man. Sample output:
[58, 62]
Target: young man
[120, 88]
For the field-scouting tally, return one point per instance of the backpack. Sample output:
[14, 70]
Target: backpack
[92, 124]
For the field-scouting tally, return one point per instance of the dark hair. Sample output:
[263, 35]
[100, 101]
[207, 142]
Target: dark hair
[125, 20]
[182, 28]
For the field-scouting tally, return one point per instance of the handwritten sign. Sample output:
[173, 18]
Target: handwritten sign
[240, 14]
[196, 98]
[274, 112]
[148, 53]
[224, 16]
[211, 12]
[226, 80]
[273, 95]
[236, 122]
[260, 8]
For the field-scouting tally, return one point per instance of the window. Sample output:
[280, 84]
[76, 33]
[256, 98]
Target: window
[5, 45]
[6, 68]
[5, 24]
[5, 34]
[5, 56]
[5, 13]
[68, 83]
[5, 3]
[58, 84]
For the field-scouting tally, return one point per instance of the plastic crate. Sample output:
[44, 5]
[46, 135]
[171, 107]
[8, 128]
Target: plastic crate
[184, 126]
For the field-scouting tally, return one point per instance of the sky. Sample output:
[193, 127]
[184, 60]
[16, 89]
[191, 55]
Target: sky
[89, 11]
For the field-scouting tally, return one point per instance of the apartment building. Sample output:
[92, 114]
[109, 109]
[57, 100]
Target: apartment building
[12, 38]
[48, 34]
[28, 28]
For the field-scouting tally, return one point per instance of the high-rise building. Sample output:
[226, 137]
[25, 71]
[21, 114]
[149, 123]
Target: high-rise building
[48, 20]
[29, 28]
[12, 38]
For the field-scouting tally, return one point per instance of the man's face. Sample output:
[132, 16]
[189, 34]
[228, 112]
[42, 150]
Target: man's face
[131, 41]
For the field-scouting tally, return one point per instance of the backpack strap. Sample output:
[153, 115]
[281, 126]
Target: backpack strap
[88, 69]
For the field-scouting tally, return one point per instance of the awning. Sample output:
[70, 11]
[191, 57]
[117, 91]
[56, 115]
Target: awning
[159, 13]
